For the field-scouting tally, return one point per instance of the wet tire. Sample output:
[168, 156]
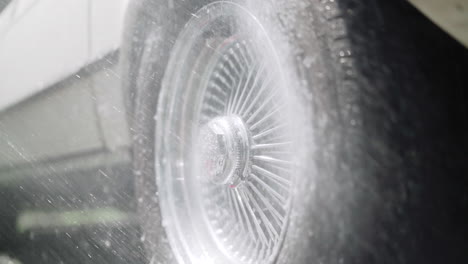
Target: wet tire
[370, 108]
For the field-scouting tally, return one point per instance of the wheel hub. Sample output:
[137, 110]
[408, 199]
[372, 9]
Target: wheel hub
[225, 151]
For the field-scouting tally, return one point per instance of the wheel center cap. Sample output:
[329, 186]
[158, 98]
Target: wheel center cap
[225, 148]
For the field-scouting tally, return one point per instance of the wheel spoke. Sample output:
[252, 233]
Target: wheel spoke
[268, 131]
[262, 106]
[273, 160]
[285, 183]
[273, 193]
[278, 217]
[268, 224]
[233, 97]
[242, 206]
[245, 87]
[259, 229]
[271, 145]
[255, 83]
[262, 89]
[266, 117]
[238, 213]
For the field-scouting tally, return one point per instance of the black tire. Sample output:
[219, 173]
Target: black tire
[377, 114]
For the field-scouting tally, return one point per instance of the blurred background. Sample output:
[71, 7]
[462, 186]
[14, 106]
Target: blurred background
[66, 194]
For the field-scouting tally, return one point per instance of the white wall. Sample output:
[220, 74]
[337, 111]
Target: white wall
[45, 41]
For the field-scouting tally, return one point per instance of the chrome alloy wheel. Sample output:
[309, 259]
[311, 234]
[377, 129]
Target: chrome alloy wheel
[224, 141]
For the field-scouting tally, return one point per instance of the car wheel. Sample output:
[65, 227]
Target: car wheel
[262, 130]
